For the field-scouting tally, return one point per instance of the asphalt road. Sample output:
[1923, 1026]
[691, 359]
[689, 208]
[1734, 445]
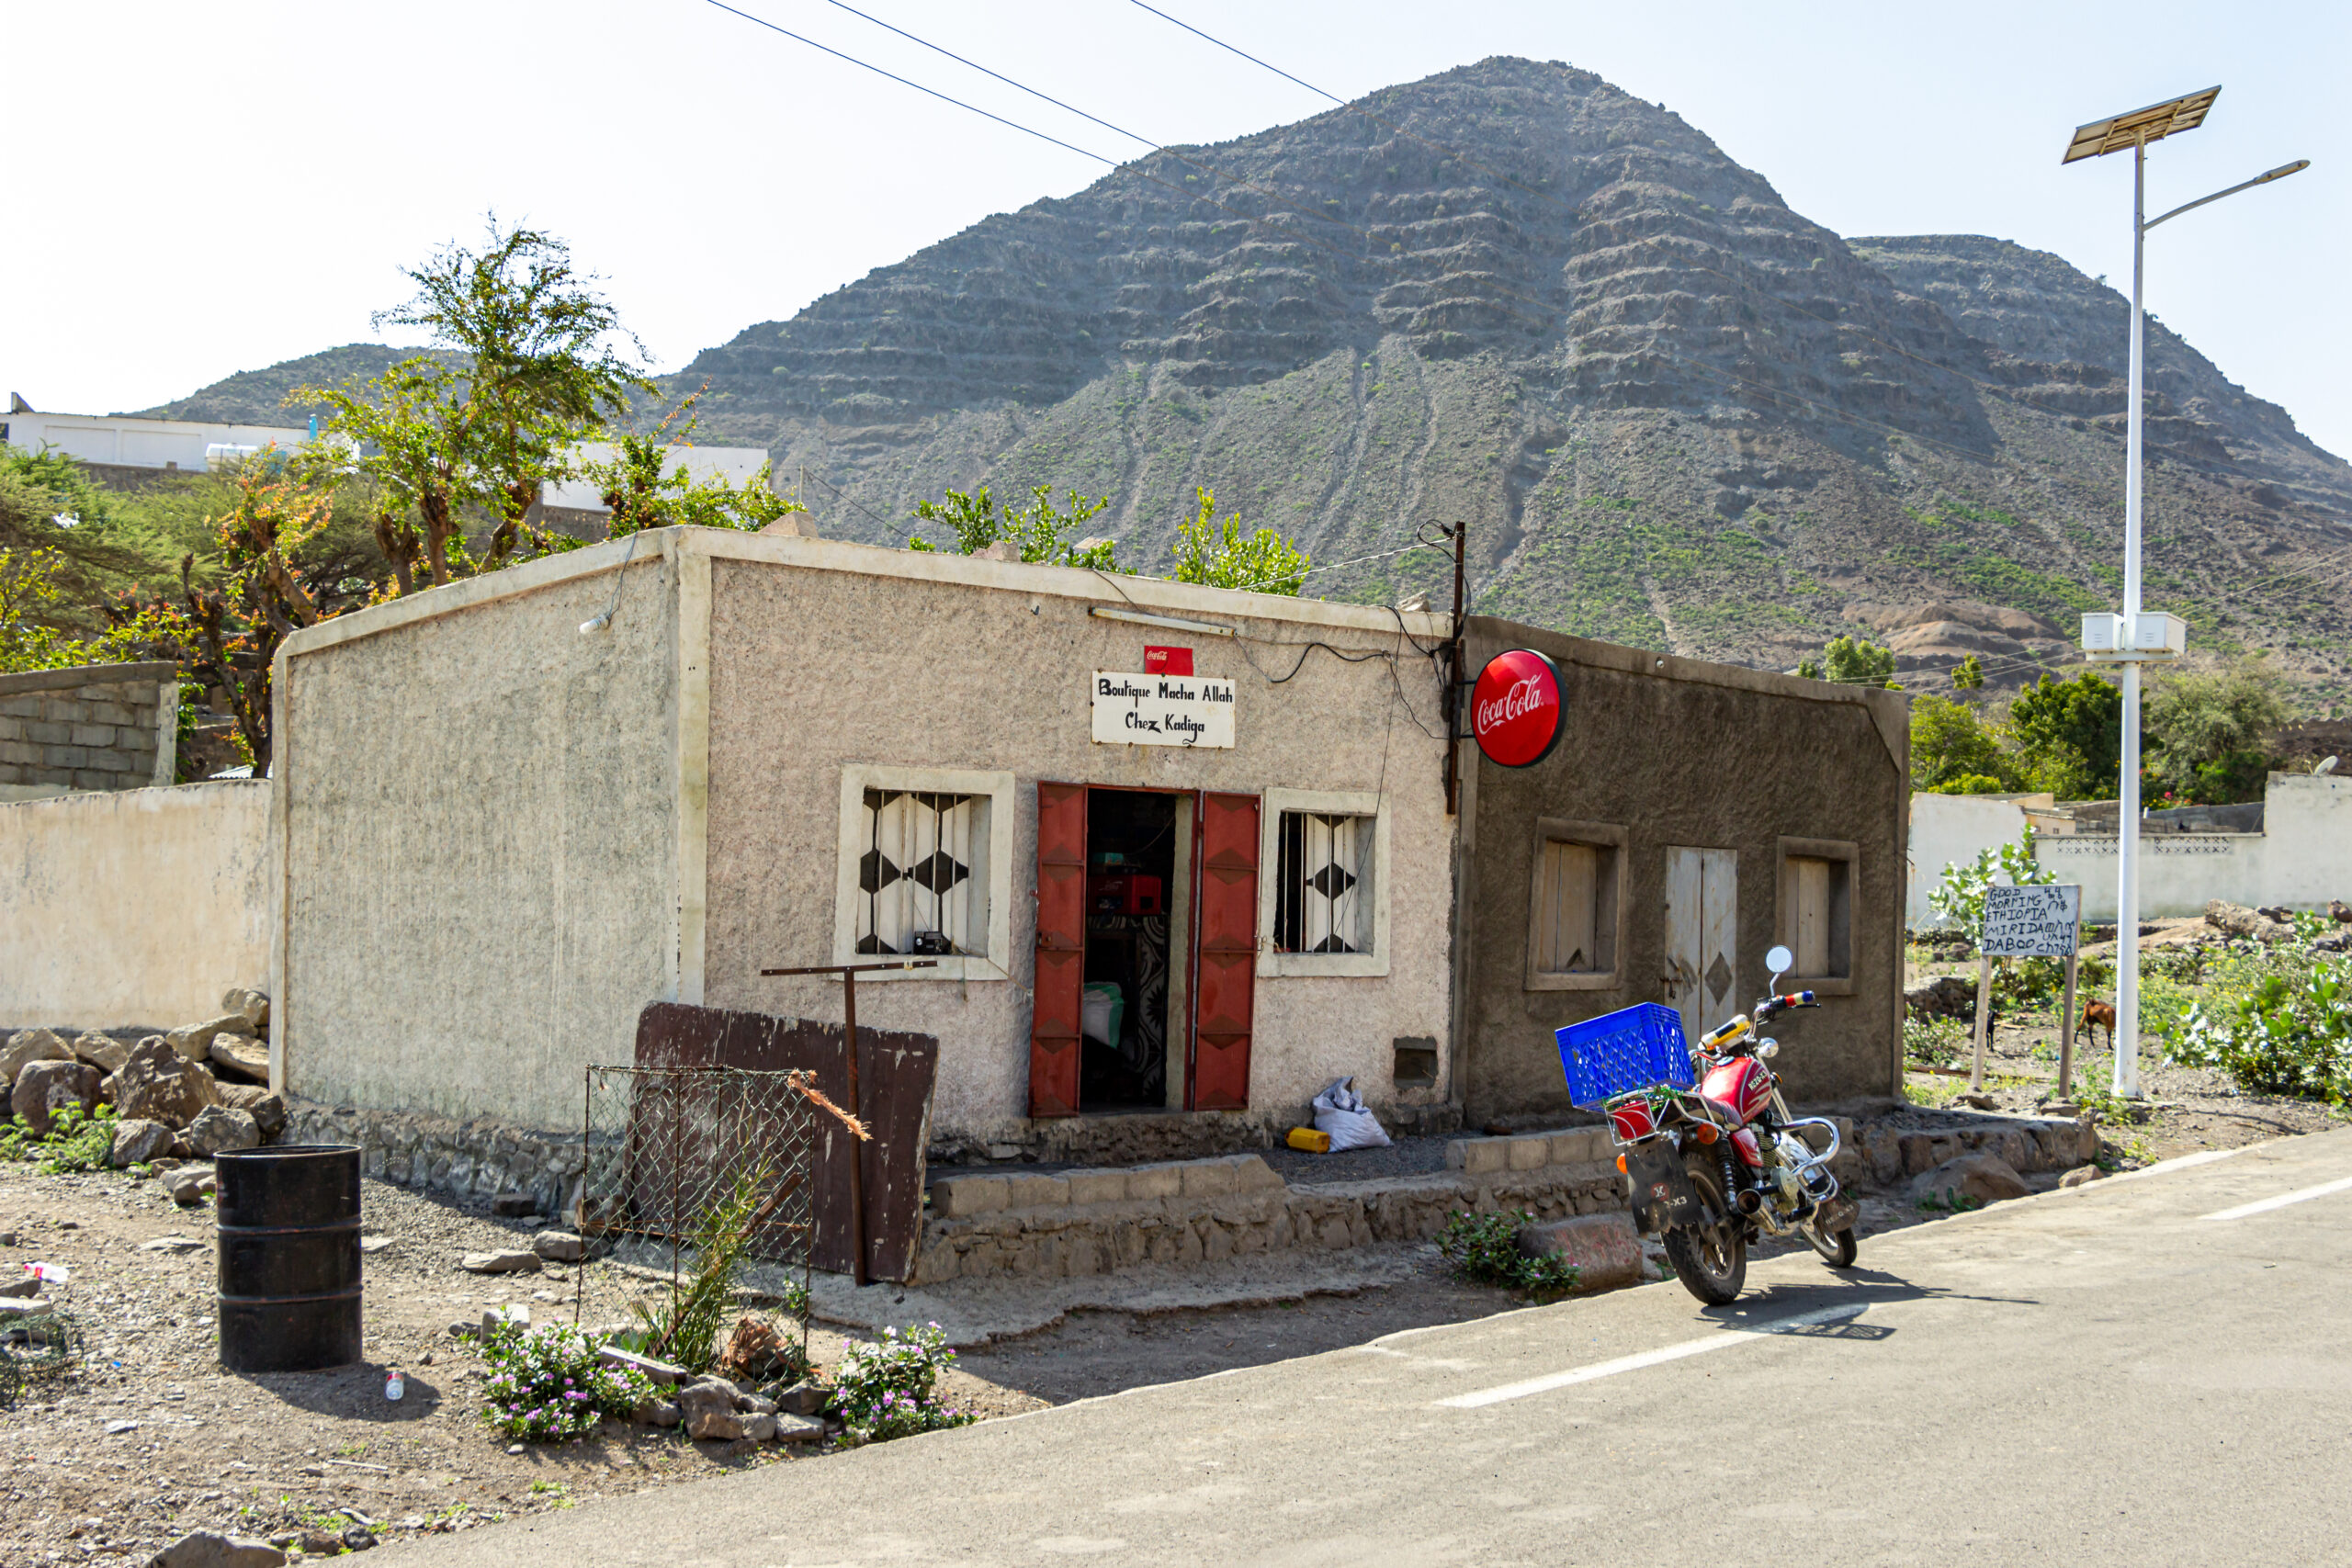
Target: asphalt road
[2145, 1370]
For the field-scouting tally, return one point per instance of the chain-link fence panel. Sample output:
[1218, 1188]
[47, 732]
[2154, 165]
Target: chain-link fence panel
[687, 1168]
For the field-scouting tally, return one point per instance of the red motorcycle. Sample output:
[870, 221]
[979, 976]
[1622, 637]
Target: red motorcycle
[1715, 1169]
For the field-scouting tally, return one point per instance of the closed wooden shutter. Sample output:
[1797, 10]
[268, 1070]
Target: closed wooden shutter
[1061, 950]
[1566, 936]
[1228, 952]
[1812, 878]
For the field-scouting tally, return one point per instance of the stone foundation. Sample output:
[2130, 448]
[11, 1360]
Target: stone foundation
[478, 1158]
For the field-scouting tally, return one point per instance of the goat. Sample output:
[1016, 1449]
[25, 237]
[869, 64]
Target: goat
[2098, 1015]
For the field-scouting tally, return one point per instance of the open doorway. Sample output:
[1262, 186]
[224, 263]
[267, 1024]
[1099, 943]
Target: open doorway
[1132, 1003]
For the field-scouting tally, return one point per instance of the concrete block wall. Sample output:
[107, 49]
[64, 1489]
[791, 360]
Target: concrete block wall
[93, 726]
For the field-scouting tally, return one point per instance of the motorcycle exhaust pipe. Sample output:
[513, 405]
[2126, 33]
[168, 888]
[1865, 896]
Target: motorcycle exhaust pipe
[1750, 1201]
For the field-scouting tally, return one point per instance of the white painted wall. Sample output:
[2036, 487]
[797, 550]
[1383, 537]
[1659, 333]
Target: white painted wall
[1955, 829]
[140, 442]
[133, 907]
[736, 465]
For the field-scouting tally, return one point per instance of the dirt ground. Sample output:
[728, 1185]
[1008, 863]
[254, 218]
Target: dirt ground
[151, 1438]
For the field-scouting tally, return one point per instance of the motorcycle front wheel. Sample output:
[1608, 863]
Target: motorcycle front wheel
[1710, 1259]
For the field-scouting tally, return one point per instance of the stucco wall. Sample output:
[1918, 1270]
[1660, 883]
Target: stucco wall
[1680, 752]
[479, 837]
[812, 671]
[1947, 830]
[2302, 859]
[133, 907]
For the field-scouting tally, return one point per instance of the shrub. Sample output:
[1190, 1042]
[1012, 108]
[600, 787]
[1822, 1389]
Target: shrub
[2279, 1026]
[891, 1388]
[1934, 1043]
[686, 1328]
[75, 1142]
[546, 1385]
[1483, 1249]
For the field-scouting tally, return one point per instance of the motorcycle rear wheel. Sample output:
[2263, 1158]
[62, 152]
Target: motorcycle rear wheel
[1836, 1250]
[1711, 1260]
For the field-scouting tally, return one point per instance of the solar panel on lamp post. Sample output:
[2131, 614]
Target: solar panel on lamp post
[2133, 639]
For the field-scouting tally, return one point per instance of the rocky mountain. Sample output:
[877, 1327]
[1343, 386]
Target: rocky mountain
[259, 396]
[1674, 412]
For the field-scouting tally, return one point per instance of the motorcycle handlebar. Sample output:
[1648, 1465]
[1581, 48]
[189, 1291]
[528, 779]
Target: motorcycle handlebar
[1772, 1005]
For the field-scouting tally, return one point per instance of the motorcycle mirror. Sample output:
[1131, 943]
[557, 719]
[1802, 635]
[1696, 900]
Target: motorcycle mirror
[1780, 961]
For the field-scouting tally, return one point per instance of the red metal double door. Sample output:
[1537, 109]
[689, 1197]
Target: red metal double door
[1221, 947]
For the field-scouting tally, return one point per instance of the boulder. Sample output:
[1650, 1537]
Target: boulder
[1942, 996]
[1604, 1249]
[1983, 1178]
[657, 1412]
[102, 1052]
[44, 1088]
[27, 1046]
[703, 1399]
[194, 1040]
[2339, 911]
[218, 1130]
[759, 1428]
[559, 1246]
[798, 1428]
[159, 1085]
[209, 1548]
[2081, 1176]
[249, 1005]
[723, 1426]
[138, 1141]
[240, 1057]
[509, 1260]
[2239, 921]
[267, 1110]
[190, 1184]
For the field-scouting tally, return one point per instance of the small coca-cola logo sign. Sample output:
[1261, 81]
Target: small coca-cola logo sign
[1515, 708]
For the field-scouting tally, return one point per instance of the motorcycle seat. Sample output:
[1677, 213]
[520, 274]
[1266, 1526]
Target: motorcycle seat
[1723, 1111]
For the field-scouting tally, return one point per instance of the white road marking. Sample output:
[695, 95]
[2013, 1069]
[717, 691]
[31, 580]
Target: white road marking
[2304, 1195]
[1744, 1334]
[2178, 1162]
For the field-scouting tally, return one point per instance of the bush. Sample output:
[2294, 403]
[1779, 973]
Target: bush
[1935, 1042]
[2276, 1026]
[1483, 1249]
[546, 1385]
[75, 1142]
[889, 1390]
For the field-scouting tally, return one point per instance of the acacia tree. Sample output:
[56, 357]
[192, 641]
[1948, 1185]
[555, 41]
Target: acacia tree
[1222, 556]
[1042, 532]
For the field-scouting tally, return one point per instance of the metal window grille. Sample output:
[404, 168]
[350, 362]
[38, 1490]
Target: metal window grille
[664, 1150]
[923, 872]
[1323, 882]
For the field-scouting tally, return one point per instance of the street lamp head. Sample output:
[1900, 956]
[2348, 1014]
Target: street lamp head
[2153, 123]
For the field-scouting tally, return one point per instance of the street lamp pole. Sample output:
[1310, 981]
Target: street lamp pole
[2135, 637]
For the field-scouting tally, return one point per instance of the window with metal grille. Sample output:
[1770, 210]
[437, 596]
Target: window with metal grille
[921, 872]
[1323, 870]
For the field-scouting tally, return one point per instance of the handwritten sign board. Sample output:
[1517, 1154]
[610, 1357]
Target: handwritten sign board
[2032, 922]
[1162, 710]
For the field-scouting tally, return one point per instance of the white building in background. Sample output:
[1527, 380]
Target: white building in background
[183, 444]
[193, 445]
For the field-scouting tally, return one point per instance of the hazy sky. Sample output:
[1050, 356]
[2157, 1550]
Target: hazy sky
[202, 190]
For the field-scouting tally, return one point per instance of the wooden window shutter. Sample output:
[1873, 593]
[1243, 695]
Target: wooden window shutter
[1061, 950]
[1812, 915]
[1228, 952]
[1567, 942]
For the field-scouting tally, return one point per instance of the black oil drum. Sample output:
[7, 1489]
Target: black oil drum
[289, 1258]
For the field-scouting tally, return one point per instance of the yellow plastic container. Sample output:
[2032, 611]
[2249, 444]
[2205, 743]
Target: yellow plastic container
[1310, 1140]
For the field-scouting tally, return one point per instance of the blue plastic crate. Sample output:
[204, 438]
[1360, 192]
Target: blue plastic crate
[1631, 1048]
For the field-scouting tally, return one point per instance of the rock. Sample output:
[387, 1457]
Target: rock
[559, 1246]
[209, 1548]
[120, 1428]
[500, 1320]
[317, 1542]
[173, 1244]
[158, 1084]
[357, 1538]
[1978, 1101]
[797, 1429]
[2339, 911]
[27, 1046]
[1981, 1176]
[49, 1085]
[513, 1205]
[102, 1052]
[16, 1309]
[194, 1040]
[240, 1057]
[219, 1130]
[1604, 1247]
[702, 1400]
[802, 1399]
[138, 1141]
[249, 1005]
[722, 1426]
[661, 1372]
[267, 1110]
[760, 1427]
[511, 1260]
[28, 1286]
[2239, 921]
[1942, 996]
[2081, 1176]
[192, 1185]
[658, 1413]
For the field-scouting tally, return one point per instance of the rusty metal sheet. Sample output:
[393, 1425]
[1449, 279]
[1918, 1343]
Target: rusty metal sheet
[895, 1074]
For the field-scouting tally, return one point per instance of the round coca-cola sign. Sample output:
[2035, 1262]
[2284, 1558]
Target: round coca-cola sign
[1515, 708]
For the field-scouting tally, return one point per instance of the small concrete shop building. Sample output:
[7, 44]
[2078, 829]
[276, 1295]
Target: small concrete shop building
[1180, 855]
[1688, 817]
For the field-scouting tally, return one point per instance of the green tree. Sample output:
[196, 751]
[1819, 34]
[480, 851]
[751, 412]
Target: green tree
[1968, 675]
[1222, 556]
[1043, 533]
[1850, 661]
[1953, 753]
[2068, 736]
[642, 488]
[2207, 732]
[1960, 893]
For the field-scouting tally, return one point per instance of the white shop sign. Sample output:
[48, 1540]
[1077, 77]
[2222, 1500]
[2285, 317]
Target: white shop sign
[1162, 710]
[2032, 922]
